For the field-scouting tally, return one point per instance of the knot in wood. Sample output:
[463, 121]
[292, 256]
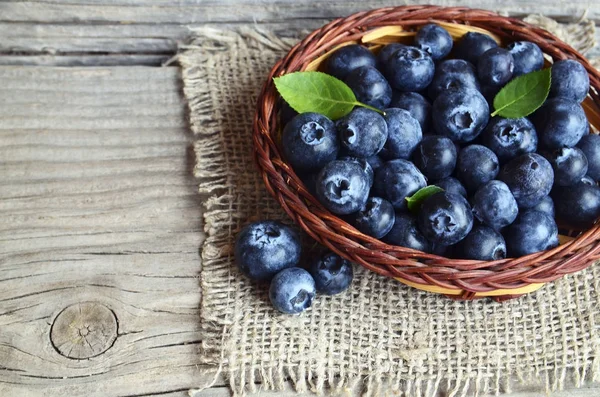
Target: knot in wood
[84, 330]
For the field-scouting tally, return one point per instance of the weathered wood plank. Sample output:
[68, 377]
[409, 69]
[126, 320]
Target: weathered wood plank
[194, 12]
[97, 204]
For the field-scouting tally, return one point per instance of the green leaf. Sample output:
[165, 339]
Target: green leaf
[317, 92]
[415, 201]
[523, 95]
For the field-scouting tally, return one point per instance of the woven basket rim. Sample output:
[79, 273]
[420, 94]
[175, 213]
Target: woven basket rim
[471, 277]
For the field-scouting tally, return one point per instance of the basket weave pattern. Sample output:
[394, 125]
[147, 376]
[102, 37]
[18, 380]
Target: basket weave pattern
[468, 276]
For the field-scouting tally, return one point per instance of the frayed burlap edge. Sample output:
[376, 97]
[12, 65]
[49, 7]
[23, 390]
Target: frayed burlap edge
[195, 59]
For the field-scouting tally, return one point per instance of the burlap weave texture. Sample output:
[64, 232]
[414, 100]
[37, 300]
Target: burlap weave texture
[380, 336]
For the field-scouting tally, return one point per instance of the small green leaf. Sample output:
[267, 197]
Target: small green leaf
[317, 92]
[415, 201]
[523, 95]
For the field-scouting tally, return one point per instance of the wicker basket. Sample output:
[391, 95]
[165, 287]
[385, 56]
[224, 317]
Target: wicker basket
[460, 279]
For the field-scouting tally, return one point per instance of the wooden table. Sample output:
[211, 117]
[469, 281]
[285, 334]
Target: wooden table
[100, 222]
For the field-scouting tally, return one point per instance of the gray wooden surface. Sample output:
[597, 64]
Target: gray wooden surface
[100, 222]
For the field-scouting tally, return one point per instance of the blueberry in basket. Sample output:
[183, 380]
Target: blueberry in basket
[444, 150]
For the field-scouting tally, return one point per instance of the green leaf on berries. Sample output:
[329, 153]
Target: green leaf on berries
[319, 93]
[415, 201]
[523, 95]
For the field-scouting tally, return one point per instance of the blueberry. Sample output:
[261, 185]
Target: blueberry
[409, 69]
[332, 273]
[453, 75]
[348, 58]
[527, 56]
[292, 290]
[375, 162]
[475, 166]
[494, 205]
[451, 185]
[404, 134]
[495, 67]
[472, 45]
[588, 180]
[509, 138]
[369, 86]
[590, 146]
[577, 206]
[362, 132]
[560, 123]
[435, 40]
[529, 177]
[569, 165]
[405, 233]
[417, 106]
[435, 156]
[364, 165]
[376, 219]
[546, 206]
[460, 115]
[343, 187]
[264, 248]
[385, 53]
[397, 179]
[532, 231]
[309, 141]
[569, 80]
[445, 218]
[483, 243]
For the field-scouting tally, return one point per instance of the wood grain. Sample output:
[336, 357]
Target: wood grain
[97, 204]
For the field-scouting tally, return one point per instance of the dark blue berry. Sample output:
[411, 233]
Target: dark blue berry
[460, 115]
[546, 206]
[476, 165]
[577, 206]
[343, 187]
[369, 86]
[529, 177]
[494, 205]
[309, 141]
[445, 218]
[397, 179]
[569, 80]
[588, 180]
[495, 67]
[483, 243]
[509, 138]
[435, 156]
[266, 247]
[435, 40]
[364, 165]
[453, 75]
[590, 146]
[404, 134]
[560, 122]
[332, 273]
[292, 290]
[569, 165]
[451, 185]
[472, 45]
[376, 219]
[375, 162]
[527, 56]
[385, 53]
[405, 233]
[348, 58]
[417, 106]
[409, 69]
[532, 231]
[362, 132]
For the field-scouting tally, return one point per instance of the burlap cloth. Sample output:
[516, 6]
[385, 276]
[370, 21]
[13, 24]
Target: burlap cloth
[380, 336]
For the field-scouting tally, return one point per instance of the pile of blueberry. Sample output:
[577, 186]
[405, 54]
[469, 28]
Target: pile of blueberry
[271, 251]
[506, 181]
